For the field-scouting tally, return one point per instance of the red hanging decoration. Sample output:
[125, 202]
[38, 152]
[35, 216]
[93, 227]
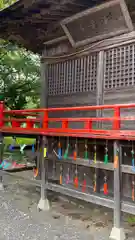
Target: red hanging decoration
[105, 186]
[76, 182]
[84, 184]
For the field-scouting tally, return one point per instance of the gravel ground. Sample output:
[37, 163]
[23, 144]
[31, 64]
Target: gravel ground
[20, 219]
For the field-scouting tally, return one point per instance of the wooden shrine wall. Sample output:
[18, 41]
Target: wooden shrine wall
[72, 82]
[119, 78]
[98, 77]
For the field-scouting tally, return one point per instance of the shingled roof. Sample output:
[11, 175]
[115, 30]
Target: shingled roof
[33, 22]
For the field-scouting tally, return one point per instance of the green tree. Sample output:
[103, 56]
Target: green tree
[19, 74]
[6, 3]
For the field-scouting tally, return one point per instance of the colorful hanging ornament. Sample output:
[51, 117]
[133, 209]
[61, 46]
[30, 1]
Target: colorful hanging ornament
[35, 171]
[133, 190]
[66, 151]
[76, 182]
[33, 148]
[84, 184]
[68, 176]
[95, 183]
[75, 152]
[95, 154]
[133, 159]
[22, 147]
[86, 152]
[106, 155]
[59, 151]
[61, 170]
[105, 186]
[116, 159]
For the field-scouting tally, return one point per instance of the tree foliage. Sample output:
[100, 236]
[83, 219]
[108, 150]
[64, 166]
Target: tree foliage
[19, 74]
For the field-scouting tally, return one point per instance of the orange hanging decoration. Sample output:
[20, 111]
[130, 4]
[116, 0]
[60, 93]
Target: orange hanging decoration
[61, 175]
[95, 184]
[75, 153]
[133, 191]
[35, 170]
[60, 179]
[84, 184]
[116, 160]
[105, 186]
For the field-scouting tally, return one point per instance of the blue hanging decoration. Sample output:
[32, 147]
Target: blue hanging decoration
[7, 165]
[11, 147]
[133, 161]
[33, 148]
[59, 151]
[2, 164]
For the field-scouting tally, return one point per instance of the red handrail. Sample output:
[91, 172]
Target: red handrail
[42, 119]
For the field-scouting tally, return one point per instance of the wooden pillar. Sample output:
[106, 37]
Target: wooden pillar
[99, 101]
[44, 203]
[117, 232]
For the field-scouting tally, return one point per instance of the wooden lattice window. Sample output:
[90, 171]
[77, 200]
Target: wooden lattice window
[73, 76]
[120, 67]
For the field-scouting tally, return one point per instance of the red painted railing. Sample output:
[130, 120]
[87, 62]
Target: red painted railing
[37, 121]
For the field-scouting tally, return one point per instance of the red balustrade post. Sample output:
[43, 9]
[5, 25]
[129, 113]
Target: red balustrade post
[88, 125]
[1, 114]
[64, 124]
[15, 124]
[30, 124]
[45, 120]
[116, 121]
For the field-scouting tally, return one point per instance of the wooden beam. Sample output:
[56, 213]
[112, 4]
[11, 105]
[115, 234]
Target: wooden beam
[56, 40]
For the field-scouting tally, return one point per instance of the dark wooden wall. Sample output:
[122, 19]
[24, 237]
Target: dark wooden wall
[104, 75]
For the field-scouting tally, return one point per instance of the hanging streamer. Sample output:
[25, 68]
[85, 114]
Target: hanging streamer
[33, 148]
[86, 151]
[61, 169]
[75, 152]
[133, 190]
[116, 159]
[95, 154]
[5, 164]
[68, 177]
[133, 159]
[95, 183]
[22, 148]
[84, 184]
[76, 182]
[59, 151]
[106, 155]
[11, 147]
[35, 171]
[66, 152]
[105, 186]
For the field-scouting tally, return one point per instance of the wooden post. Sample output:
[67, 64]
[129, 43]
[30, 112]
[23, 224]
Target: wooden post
[117, 232]
[44, 203]
[99, 101]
